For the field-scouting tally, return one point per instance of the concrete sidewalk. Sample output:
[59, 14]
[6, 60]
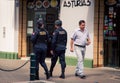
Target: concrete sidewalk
[94, 75]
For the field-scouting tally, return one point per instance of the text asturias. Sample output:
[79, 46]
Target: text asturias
[76, 3]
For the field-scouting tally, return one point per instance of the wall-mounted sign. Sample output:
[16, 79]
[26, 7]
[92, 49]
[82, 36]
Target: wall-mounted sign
[46, 4]
[29, 30]
[111, 2]
[38, 4]
[76, 3]
[54, 3]
[30, 5]
[30, 23]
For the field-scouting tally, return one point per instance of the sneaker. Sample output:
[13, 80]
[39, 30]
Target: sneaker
[76, 74]
[82, 76]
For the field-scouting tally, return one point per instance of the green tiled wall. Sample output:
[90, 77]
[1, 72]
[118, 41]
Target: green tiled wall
[73, 61]
[8, 55]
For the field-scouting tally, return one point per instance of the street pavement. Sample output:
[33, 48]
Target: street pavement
[93, 75]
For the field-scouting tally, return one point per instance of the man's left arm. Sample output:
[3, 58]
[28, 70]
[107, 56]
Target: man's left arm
[88, 39]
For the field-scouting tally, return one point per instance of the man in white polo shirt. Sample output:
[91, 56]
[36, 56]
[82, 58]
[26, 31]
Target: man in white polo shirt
[79, 40]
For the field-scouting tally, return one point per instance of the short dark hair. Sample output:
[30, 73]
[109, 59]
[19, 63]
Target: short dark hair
[81, 21]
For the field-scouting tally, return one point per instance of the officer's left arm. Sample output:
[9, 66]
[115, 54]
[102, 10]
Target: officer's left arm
[54, 40]
[66, 38]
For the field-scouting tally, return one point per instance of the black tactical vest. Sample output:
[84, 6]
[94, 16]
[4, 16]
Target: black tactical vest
[62, 37]
[42, 36]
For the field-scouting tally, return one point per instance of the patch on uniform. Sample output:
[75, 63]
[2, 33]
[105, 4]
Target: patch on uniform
[53, 33]
[33, 33]
[42, 33]
[61, 32]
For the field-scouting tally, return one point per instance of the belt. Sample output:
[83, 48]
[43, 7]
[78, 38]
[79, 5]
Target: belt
[80, 46]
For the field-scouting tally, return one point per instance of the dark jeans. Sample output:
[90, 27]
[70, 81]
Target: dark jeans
[40, 58]
[61, 55]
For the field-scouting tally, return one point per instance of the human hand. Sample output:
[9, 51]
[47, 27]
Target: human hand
[51, 52]
[88, 43]
[71, 50]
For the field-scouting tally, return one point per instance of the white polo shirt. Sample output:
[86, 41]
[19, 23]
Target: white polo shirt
[80, 37]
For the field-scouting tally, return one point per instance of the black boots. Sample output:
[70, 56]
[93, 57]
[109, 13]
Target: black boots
[51, 70]
[47, 75]
[50, 73]
[62, 75]
[37, 75]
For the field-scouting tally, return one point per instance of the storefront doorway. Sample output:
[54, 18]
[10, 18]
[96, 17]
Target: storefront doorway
[48, 10]
[112, 33]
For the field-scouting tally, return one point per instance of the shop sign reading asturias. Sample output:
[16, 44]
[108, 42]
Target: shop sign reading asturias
[76, 3]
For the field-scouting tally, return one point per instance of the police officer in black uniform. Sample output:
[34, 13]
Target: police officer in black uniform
[58, 48]
[39, 39]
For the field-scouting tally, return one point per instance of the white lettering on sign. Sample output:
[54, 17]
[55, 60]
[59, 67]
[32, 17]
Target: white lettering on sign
[76, 3]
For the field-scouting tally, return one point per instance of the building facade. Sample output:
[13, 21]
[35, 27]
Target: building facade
[101, 16]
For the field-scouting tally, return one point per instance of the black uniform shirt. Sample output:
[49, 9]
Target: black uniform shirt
[59, 39]
[39, 38]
